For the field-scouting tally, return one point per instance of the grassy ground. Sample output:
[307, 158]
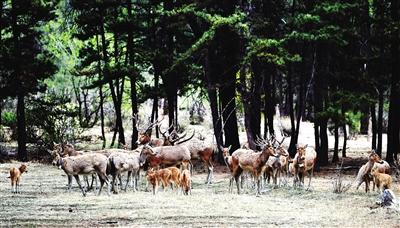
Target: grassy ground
[45, 202]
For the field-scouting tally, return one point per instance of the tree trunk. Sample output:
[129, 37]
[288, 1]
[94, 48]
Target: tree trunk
[319, 97]
[269, 108]
[227, 98]
[117, 106]
[21, 128]
[364, 121]
[336, 148]
[380, 121]
[290, 102]
[103, 135]
[251, 99]
[212, 95]
[344, 141]
[132, 77]
[374, 126]
[393, 145]
[154, 110]
[100, 73]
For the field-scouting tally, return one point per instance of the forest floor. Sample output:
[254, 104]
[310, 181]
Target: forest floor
[44, 201]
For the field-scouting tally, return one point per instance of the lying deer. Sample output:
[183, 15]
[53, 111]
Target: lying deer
[15, 176]
[253, 162]
[303, 163]
[84, 165]
[364, 173]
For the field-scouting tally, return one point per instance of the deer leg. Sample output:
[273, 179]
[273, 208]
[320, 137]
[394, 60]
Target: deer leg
[17, 185]
[114, 176]
[237, 174]
[120, 180]
[230, 184]
[310, 174]
[103, 179]
[128, 179]
[69, 182]
[79, 184]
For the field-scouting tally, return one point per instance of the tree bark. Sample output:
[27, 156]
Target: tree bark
[103, 135]
[380, 121]
[336, 148]
[251, 99]
[227, 98]
[269, 96]
[393, 145]
[212, 95]
[374, 126]
[321, 140]
[21, 128]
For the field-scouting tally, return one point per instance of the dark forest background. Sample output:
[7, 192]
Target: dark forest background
[64, 64]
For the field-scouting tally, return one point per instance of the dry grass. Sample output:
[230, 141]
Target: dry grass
[45, 202]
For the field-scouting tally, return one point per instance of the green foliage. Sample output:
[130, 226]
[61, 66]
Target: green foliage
[353, 120]
[58, 120]
[9, 119]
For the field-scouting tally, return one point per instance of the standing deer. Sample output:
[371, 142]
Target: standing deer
[364, 173]
[303, 163]
[253, 162]
[15, 176]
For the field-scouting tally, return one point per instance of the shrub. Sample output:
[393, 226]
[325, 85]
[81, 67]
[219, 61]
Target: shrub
[9, 119]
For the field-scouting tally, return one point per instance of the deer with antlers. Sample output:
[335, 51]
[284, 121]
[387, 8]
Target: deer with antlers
[253, 162]
[277, 165]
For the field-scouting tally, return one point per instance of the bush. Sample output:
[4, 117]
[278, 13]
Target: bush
[9, 119]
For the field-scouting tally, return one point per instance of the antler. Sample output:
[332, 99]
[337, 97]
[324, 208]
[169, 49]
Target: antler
[183, 137]
[153, 124]
[163, 133]
[261, 142]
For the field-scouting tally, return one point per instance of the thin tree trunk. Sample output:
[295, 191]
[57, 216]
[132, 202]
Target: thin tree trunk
[344, 141]
[290, 100]
[100, 73]
[103, 135]
[380, 121]
[336, 148]
[21, 128]
[374, 126]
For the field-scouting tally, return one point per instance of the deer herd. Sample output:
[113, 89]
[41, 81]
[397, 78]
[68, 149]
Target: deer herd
[161, 157]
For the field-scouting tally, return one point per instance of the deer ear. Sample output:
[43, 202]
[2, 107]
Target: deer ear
[305, 146]
[221, 148]
[230, 146]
